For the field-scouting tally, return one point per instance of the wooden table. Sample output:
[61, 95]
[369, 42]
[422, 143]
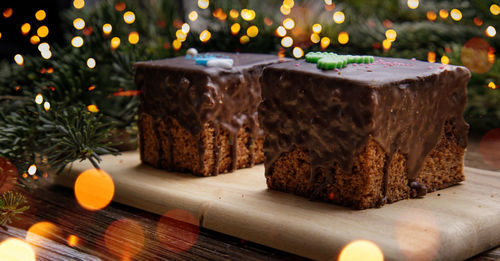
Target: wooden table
[57, 205]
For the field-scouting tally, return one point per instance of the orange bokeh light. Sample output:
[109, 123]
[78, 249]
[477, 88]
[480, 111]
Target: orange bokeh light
[16, 249]
[124, 238]
[488, 147]
[73, 241]
[361, 250]
[7, 12]
[42, 229]
[177, 230]
[94, 189]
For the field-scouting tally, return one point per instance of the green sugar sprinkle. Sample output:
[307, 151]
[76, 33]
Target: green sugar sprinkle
[330, 61]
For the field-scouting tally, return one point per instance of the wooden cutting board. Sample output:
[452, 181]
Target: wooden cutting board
[451, 224]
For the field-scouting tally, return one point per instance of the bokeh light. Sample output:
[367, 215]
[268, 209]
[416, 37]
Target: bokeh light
[474, 55]
[445, 59]
[19, 59]
[180, 35]
[456, 14]
[177, 44]
[133, 37]
[252, 31]
[91, 63]
[94, 188]
[77, 41]
[244, 39]
[316, 28]
[177, 230]
[391, 35]
[193, 16]
[386, 44]
[78, 4]
[281, 31]
[325, 42]
[298, 52]
[431, 57]
[185, 28]
[73, 240]
[289, 3]
[234, 13]
[488, 146]
[79, 23]
[361, 250]
[120, 6]
[478, 21]
[247, 14]
[203, 4]
[43, 47]
[7, 12]
[338, 17]
[443, 14]
[129, 17]
[46, 106]
[287, 41]
[490, 31]
[343, 38]
[285, 10]
[43, 229]
[315, 38]
[17, 250]
[235, 28]
[46, 54]
[495, 9]
[289, 23]
[431, 16]
[32, 169]
[124, 238]
[42, 31]
[205, 35]
[40, 15]
[107, 28]
[413, 4]
[115, 42]
[25, 28]
[492, 85]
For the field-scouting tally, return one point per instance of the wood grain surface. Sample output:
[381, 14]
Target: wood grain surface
[455, 223]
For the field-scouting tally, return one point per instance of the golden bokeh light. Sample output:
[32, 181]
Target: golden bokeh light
[431, 57]
[490, 31]
[0, 35]
[203, 4]
[180, 35]
[281, 31]
[495, 9]
[443, 13]
[289, 23]
[78, 4]
[297, 52]
[391, 35]
[244, 39]
[193, 16]
[316, 28]
[124, 238]
[19, 59]
[129, 17]
[413, 4]
[17, 250]
[456, 14]
[287, 41]
[235, 28]
[289, 3]
[386, 44]
[361, 250]
[133, 37]
[40, 15]
[325, 42]
[185, 28]
[46, 107]
[445, 59]
[25, 28]
[77, 41]
[32, 169]
[34, 39]
[343, 38]
[42, 229]
[315, 38]
[492, 85]
[338, 17]
[107, 28]
[93, 108]
[252, 31]
[73, 241]
[205, 35]
[79, 23]
[91, 63]
[7, 12]
[94, 188]
[431, 16]
[285, 10]
[177, 230]
[476, 55]
[42, 31]
[234, 13]
[177, 44]
[115, 42]
[247, 14]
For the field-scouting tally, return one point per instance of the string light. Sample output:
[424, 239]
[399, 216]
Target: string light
[244, 39]
[495, 9]
[7, 13]
[289, 23]
[247, 14]
[133, 37]
[281, 31]
[193, 16]
[46, 106]
[203, 4]
[386, 44]
[77, 41]
[177, 44]
[38, 100]
[391, 35]
[338, 17]
[443, 14]
[315, 38]
[107, 28]
[431, 57]
[343, 38]
[235, 28]
[79, 23]
[180, 35]
[289, 3]
[317, 28]
[115, 42]
[413, 4]
[25, 28]
[431, 16]
[42, 31]
[325, 42]
[252, 31]
[185, 28]
[445, 59]
[287, 41]
[91, 63]
[129, 17]
[234, 13]
[285, 10]
[297, 52]
[34, 39]
[205, 35]
[456, 14]
[40, 15]
[78, 4]
[19, 59]
[491, 31]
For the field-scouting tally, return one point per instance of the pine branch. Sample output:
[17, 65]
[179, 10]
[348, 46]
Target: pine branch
[12, 204]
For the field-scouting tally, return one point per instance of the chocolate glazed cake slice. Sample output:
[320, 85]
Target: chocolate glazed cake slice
[199, 113]
[362, 135]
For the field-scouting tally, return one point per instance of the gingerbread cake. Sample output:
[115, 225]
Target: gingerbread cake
[198, 113]
[362, 135]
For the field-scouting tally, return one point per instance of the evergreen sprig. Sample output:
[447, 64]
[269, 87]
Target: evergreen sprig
[12, 204]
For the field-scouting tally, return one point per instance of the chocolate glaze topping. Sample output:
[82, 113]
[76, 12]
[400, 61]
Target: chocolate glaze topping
[402, 104]
[195, 94]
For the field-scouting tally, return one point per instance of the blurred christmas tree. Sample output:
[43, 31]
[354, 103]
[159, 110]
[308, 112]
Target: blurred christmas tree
[77, 100]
